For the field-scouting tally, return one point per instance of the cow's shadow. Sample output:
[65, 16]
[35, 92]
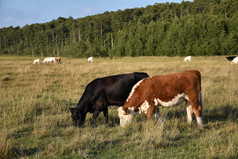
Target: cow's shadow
[113, 121]
[227, 112]
[222, 113]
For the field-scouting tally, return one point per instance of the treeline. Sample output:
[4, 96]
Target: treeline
[201, 27]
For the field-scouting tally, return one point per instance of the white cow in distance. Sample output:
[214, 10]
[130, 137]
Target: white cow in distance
[49, 60]
[188, 58]
[235, 60]
[36, 61]
[90, 59]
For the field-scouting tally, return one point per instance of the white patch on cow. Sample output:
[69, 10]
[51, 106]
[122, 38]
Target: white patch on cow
[180, 98]
[235, 60]
[133, 89]
[144, 106]
[156, 101]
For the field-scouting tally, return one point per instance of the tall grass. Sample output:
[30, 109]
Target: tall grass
[35, 119]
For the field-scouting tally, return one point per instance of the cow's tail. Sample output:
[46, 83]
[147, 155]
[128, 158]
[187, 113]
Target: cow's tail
[201, 103]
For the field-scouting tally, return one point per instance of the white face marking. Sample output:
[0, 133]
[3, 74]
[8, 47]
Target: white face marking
[125, 119]
[133, 89]
[180, 98]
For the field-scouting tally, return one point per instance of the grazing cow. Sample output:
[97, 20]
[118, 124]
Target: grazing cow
[102, 92]
[165, 90]
[58, 59]
[188, 58]
[49, 60]
[90, 59]
[235, 60]
[36, 61]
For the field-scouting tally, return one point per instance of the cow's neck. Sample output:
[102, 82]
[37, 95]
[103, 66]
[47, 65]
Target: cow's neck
[83, 105]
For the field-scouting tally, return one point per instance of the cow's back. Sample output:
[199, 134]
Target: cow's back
[118, 93]
[113, 89]
[180, 82]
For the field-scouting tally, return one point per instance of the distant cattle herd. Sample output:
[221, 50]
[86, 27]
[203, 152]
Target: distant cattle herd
[48, 60]
[232, 59]
[137, 93]
[54, 60]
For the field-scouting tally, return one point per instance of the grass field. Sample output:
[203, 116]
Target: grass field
[35, 119]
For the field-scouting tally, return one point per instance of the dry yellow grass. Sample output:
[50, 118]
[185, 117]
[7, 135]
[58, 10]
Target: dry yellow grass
[35, 121]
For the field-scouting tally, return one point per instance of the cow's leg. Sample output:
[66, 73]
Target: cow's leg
[189, 113]
[196, 107]
[95, 115]
[150, 110]
[198, 110]
[105, 113]
[198, 113]
[100, 105]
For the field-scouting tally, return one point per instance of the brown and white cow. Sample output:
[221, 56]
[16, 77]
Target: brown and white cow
[58, 59]
[167, 91]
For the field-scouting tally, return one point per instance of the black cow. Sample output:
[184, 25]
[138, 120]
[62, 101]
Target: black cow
[102, 92]
[230, 58]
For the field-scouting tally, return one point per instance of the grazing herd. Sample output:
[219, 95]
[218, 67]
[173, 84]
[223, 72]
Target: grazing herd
[48, 60]
[137, 92]
[54, 60]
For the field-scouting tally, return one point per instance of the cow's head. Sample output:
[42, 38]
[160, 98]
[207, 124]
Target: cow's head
[124, 117]
[77, 117]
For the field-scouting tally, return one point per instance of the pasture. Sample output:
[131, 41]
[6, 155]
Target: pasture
[35, 119]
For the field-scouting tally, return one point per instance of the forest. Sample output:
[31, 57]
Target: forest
[197, 28]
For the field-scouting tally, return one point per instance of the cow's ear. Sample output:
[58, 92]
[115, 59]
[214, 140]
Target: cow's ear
[71, 110]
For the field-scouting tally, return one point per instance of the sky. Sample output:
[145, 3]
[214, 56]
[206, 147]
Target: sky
[21, 12]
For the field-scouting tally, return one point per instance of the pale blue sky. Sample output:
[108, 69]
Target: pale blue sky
[22, 12]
